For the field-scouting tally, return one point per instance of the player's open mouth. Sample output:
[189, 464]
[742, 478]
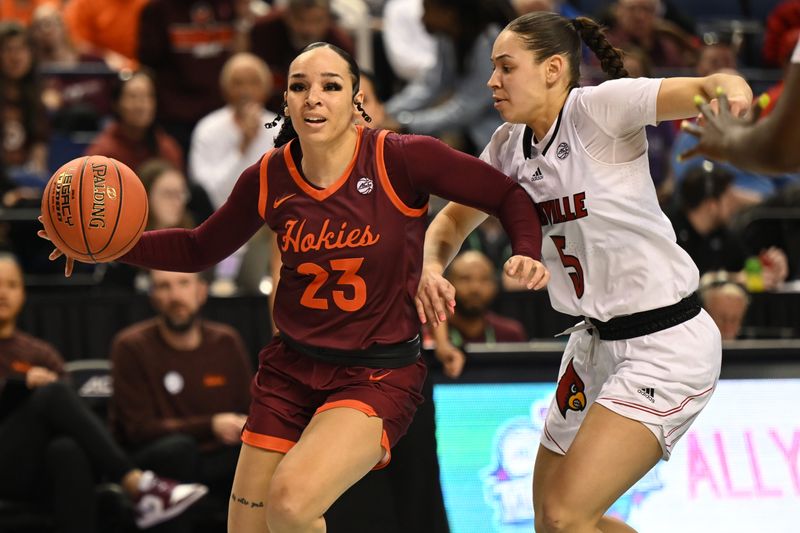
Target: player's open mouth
[314, 120]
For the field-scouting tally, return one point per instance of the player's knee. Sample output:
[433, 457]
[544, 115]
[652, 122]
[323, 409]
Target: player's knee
[556, 516]
[288, 505]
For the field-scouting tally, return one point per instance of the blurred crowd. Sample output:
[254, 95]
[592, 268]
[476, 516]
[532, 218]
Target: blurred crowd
[180, 90]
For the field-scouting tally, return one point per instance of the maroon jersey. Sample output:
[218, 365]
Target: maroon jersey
[352, 253]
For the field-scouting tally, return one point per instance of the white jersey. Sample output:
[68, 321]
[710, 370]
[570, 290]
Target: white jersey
[610, 249]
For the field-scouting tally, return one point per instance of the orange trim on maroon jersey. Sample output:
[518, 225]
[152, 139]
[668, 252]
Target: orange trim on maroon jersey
[352, 404]
[387, 184]
[321, 194]
[263, 185]
[266, 442]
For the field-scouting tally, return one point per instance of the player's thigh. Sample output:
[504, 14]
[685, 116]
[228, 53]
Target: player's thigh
[545, 467]
[609, 454]
[248, 503]
[339, 447]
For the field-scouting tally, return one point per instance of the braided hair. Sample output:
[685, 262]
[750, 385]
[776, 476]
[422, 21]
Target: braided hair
[287, 131]
[547, 34]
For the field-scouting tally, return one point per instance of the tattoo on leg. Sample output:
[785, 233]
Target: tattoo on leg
[246, 502]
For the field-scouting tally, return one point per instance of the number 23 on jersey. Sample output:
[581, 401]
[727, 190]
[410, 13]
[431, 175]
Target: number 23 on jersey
[348, 278]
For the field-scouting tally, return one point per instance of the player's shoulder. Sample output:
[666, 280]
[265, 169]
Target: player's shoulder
[501, 148]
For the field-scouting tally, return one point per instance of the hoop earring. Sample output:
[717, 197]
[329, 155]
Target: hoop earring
[364, 114]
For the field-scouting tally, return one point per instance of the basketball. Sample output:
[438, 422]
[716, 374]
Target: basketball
[94, 209]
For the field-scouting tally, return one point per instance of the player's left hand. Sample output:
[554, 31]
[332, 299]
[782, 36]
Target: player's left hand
[56, 253]
[436, 297]
[719, 121]
[529, 272]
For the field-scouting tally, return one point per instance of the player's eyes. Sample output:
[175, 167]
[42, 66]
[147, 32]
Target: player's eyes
[297, 87]
[332, 86]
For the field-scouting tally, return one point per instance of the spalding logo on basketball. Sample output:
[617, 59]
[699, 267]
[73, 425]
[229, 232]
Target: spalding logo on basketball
[364, 185]
[94, 209]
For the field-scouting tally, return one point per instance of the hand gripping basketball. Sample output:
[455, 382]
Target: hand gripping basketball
[94, 209]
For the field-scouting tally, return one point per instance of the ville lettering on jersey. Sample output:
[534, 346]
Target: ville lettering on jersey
[564, 209]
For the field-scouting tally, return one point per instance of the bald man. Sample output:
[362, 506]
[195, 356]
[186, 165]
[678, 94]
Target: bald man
[230, 139]
[475, 280]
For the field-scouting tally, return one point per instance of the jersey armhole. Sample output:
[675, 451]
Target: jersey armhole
[262, 187]
[380, 163]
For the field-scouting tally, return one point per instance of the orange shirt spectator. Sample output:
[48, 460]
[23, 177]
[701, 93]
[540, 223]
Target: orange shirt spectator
[106, 26]
[22, 10]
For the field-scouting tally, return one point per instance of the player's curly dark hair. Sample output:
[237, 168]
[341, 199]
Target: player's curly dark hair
[287, 131]
[547, 34]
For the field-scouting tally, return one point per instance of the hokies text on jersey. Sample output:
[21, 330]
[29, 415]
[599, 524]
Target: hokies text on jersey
[299, 240]
[564, 209]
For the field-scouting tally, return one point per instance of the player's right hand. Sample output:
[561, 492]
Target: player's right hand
[436, 297]
[56, 253]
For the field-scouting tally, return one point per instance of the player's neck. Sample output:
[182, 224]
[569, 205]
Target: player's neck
[470, 327]
[183, 341]
[324, 163]
[7, 329]
[545, 116]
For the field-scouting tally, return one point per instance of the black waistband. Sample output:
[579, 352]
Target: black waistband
[376, 356]
[638, 324]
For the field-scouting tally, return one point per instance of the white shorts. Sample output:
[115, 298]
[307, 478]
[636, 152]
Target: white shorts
[663, 380]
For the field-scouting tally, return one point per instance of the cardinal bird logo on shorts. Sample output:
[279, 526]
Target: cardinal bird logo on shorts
[569, 394]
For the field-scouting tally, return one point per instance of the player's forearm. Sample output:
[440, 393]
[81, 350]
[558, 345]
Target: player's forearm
[734, 86]
[443, 239]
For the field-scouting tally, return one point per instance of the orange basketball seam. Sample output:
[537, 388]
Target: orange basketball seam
[80, 212]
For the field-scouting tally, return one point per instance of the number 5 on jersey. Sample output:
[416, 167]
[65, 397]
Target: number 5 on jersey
[570, 261]
[349, 277]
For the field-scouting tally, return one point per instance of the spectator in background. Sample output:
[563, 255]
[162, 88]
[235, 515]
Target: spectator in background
[224, 144]
[74, 101]
[186, 43]
[410, 50]
[452, 95]
[109, 28]
[24, 122]
[474, 278]
[726, 302]
[133, 136]
[22, 10]
[639, 23]
[278, 37]
[181, 387]
[51, 444]
[230, 139]
[701, 226]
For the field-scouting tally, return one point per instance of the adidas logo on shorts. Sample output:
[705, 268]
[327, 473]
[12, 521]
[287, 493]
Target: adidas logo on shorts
[649, 393]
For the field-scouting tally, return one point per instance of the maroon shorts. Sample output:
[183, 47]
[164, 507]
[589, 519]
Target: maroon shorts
[289, 388]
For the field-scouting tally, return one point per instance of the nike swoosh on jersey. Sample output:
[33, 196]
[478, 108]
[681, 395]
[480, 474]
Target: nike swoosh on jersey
[279, 201]
[373, 377]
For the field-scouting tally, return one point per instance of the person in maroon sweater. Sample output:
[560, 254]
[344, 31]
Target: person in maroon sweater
[279, 36]
[181, 386]
[341, 381]
[52, 444]
[473, 276]
[134, 137]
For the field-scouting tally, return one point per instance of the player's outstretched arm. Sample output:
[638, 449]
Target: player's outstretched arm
[768, 146]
